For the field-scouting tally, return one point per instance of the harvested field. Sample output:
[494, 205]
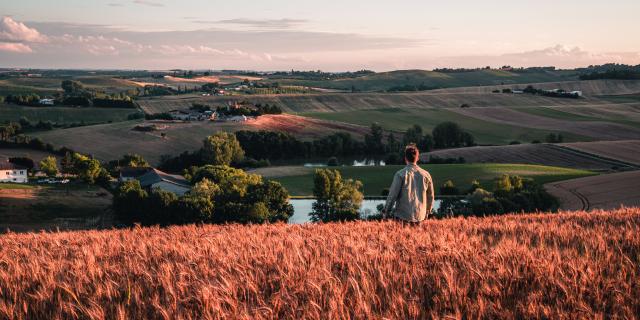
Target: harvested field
[588, 87]
[552, 266]
[332, 102]
[542, 154]
[609, 191]
[111, 141]
[627, 151]
[595, 129]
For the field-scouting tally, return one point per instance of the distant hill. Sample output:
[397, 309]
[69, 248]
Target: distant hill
[409, 80]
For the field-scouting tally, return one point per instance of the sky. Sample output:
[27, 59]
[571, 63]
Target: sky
[329, 35]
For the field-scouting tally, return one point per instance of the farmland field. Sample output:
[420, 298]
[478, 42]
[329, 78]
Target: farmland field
[400, 119]
[627, 151]
[590, 88]
[547, 154]
[432, 79]
[376, 179]
[64, 115]
[332, 102]
[111, 141]
[35, 155]
[568, 265]
[596, 130]
[25, 207]
[609, 191]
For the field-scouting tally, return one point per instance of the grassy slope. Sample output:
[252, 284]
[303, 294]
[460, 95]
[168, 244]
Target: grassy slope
[400, 119]
[386, 80]
[375, 179]
[602, 115]
[555, 266]
[63, 115]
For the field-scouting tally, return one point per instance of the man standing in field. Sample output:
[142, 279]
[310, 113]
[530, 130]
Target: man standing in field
[411, 191]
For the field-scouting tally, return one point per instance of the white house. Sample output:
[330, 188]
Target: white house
[10, 172]
[155, 178]
[47, 102]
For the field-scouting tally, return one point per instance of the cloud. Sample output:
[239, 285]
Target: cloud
[148, 3]
[13, 31]
[561, 56]
[258, 23]
[115, 4]
[15, 47]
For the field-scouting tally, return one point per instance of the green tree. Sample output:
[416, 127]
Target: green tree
[373, 140]
[86, 168]
[448, 135]
[412, 135]
[49, 166]
[133, 160]
[129, 202]
[449, 189]
[336, 199]
[222, 148]
[71, 87]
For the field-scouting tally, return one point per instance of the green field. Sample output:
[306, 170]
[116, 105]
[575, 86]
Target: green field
[621, 114]
[376, 179]
[397, 119]
[63, 115]
[15, 186]
[386, 80]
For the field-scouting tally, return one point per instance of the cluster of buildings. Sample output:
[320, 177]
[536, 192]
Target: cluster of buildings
[195, 115]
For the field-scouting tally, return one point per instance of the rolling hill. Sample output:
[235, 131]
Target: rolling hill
[383, 81]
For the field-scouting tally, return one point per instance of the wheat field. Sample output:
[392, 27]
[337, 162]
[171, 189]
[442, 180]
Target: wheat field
[550, 266]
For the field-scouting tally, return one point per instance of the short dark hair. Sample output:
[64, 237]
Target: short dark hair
[411, 153]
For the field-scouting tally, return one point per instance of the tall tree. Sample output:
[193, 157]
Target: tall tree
[222, 148]
[336, 199]
[49, 166]
[373, 140]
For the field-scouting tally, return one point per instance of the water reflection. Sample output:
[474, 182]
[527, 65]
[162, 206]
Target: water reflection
[302, 208]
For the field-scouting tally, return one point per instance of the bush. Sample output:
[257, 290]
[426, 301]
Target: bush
[449, 189]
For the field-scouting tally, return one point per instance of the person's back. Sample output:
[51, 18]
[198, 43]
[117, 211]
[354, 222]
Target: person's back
[411, 192]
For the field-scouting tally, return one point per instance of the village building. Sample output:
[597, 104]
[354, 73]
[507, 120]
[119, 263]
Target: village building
[131, 173]
[10, 172]
[155, 178]
[151, 178]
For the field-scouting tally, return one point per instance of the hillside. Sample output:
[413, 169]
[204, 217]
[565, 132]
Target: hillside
[571, 265]
[588, 87]
[432, 79]
[613, 154]
[332, 102]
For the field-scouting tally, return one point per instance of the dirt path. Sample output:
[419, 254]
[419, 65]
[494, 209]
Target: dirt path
[599, 192]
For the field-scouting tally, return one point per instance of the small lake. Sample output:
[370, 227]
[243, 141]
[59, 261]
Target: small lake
[302, 208]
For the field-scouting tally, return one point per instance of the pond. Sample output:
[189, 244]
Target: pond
[302, 208]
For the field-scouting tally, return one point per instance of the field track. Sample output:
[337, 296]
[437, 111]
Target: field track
[537, 266]
[543, 154]
[111, 141]
[609, 191]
